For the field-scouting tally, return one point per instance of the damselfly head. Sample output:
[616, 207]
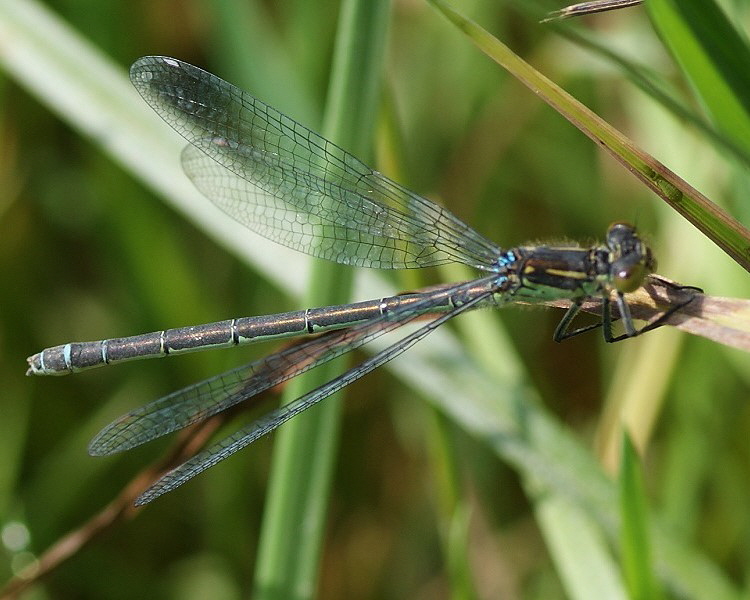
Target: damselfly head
[630, 259]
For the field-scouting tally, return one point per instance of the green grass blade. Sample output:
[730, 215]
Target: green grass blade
[245, 31]
[587, 8]
[292, 533]
[454, 509]
[646, 78]
[635, 544]
[714, 222]
[713, 56]
[579, 550]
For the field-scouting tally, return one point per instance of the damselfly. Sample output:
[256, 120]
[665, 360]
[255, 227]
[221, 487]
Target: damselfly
[293, 186]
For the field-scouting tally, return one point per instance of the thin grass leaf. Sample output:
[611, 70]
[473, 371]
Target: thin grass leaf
[294, 522]
[580, 551]
[588, 8]
[635, 544]
[714, 56]
[647, 79]
[454, 509]
[714, 222]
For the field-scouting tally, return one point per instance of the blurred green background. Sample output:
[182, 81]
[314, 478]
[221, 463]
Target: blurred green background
[87, 251]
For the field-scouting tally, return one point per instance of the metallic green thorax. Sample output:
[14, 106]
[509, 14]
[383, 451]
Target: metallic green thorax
[551, 273]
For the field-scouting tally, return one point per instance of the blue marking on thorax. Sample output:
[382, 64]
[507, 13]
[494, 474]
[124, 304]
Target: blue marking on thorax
[506, 260]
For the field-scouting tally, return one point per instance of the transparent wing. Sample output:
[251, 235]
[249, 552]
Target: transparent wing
[293, 186]
[212, 396]
[242, 438]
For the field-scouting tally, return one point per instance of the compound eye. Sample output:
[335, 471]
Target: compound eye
[628, 279]
[618, 233]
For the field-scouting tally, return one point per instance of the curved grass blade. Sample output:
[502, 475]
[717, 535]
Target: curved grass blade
[588, 8]
[725, 231]
[642, 75]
